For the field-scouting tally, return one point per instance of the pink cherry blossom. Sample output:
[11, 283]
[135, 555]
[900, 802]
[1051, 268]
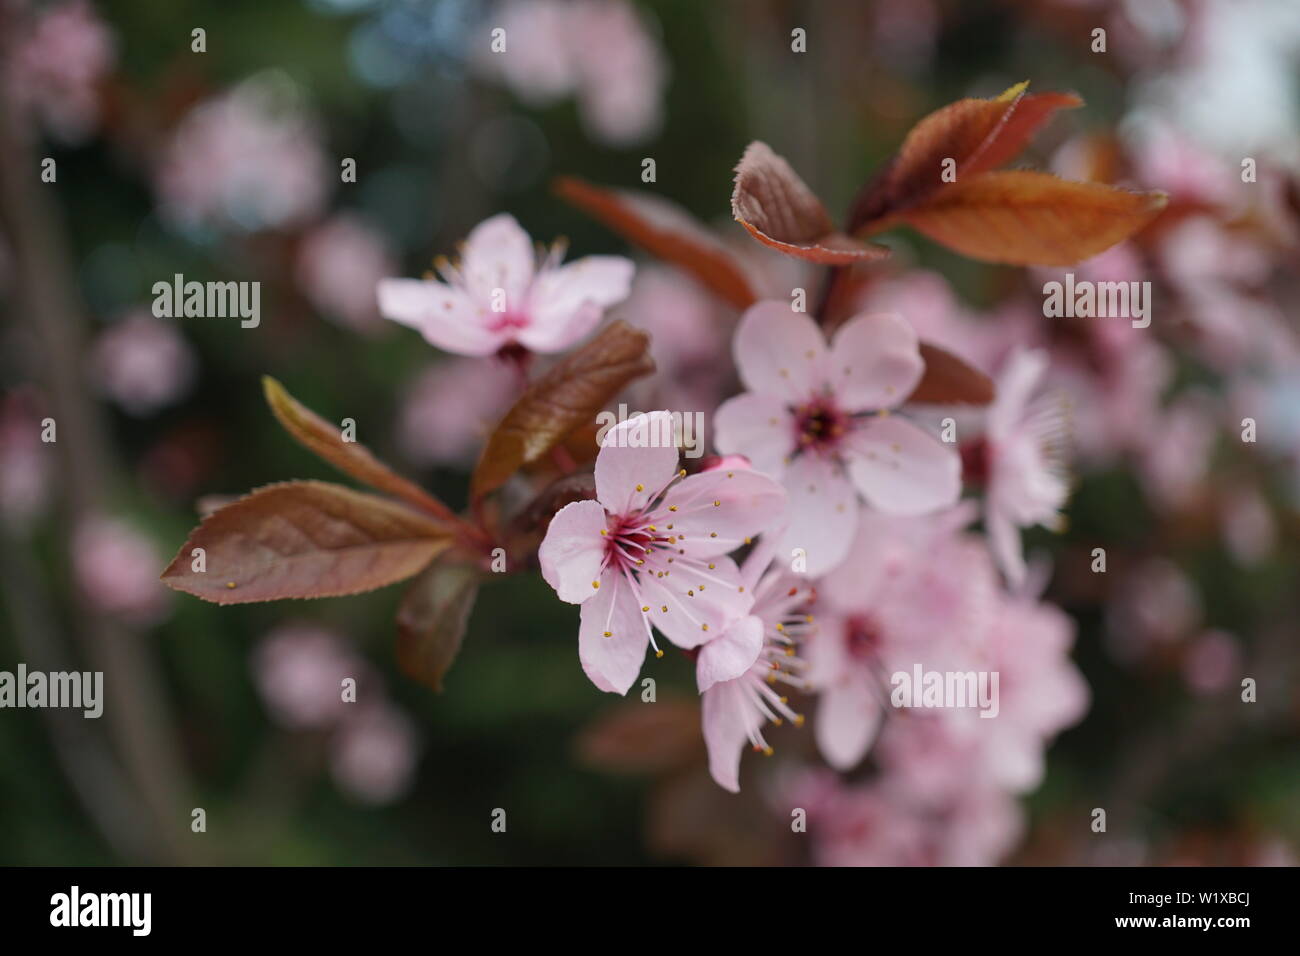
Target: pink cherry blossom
[816, 417]
[1040, 692]
[59, 58]
[651, 550]
[248, 159]
[26, 462]
[499, 295]
[1023, 447]
[373, 755]
[116, 567]
[299, 670]
[599, 51]
[143, 364]
[339, 264]
[910, 592]
[450, 410]
[737, 671]
[882, 824]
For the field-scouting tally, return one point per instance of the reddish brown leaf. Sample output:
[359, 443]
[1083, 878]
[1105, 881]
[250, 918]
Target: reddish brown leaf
[304, 539]
[1032, 218]
[976, 134]
[432, 618]
[565, 398]
[323, 439]
[948, 380]
[665, 230]
[779, 210]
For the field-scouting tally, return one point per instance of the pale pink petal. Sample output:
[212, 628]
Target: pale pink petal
[1016, 385]
[875, 362]
[715, 512]
[694, 601]
[612, 662]
[573, 550]
[568, 302]
[1004, 542]
[445, 316]
[780, 352]
[822, 513]
[730, 654]
[902, 470]
[727, 719]
[498, 254]
[848, 717]
[760, 427]
[636, 461]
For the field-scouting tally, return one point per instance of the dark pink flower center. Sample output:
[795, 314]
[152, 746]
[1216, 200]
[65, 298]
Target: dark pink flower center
[862, 638]
[819, 425]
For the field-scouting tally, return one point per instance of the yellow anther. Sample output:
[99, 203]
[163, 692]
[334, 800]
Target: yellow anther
[595, 585]
[659, 653]
[640, 487]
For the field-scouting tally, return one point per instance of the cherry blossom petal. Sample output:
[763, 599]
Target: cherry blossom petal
[760, 427]
[1004, 543]
[445, 316]
[694, 601]
[780, 352]
[613, 662]
[848, 717]
[875, 362]
[568, 302]
[901, 469]
[729, 655]
[636, 460]
[727, 718]
[573, 551]
[715, 512]
[498, 254]
[1016, 384]
[822, 514]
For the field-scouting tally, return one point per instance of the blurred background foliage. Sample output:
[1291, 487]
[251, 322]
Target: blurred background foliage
[438, 149]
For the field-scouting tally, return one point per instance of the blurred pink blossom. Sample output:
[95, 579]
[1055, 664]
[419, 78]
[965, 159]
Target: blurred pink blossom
[117, 569]
[1023, 449]
[299, 669]
[499, 295]
[1212, 662]
[1249, 529]
[910, 592]
[340, 262]
[142, 363]
[25, 461]
[451, 408]
[248, 159]
[598, 51]
[61, 54]
[373, 755]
